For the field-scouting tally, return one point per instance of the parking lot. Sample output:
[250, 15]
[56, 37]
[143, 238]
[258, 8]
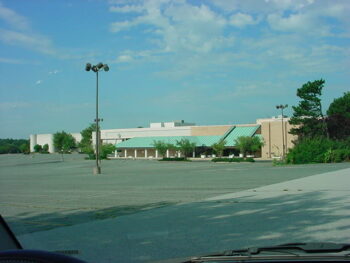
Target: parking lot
[43, 192]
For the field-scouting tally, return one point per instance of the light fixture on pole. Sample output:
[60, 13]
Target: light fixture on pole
[282, 107]
[96, 69]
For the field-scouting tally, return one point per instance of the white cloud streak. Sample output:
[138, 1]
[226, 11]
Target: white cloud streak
[195, 38]
[13, 19]
[241, 20]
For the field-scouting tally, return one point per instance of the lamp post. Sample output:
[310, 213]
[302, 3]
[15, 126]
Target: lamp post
[96, 69]
[282, 107]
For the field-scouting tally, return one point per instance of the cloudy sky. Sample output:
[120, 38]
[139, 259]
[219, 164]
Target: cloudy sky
[208, 62]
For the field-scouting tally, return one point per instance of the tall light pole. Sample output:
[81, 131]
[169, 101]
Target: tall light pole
[96, 69]
[282, 107]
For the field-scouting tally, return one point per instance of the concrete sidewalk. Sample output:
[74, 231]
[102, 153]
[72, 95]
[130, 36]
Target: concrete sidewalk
[314, 208]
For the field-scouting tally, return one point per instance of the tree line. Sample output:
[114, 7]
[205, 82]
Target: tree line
[14, 146]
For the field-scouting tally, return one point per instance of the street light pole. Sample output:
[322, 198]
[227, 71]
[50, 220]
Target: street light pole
[282, 107]
[96, 69]
[98, 167]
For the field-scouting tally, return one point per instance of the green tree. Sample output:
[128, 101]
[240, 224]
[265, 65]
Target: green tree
[340, 106]
[248, 144]
[24, 147]
[13, 145]
[307, 116]
[38, 148]
[161, 147]
[185, 147]
[338, 120]
[107, 149]
[85, 144]
[219, 147]
[63, 141]
[46, 148]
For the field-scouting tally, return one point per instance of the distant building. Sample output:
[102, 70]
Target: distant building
[138, 142]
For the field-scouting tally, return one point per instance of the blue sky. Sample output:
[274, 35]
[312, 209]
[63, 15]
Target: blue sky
[208, 62]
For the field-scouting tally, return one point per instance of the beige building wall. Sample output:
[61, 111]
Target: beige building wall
[272, 134]
[209, 130]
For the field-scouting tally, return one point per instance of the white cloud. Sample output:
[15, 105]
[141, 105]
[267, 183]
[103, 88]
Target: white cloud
[298, 23]
[12, 18]
[241, 20]
[178, 25]
[127, 9]
[36, 42]
[261, 6]
[21, 34]
[38, 82]
[313, 18]
[124, 58]
[190, 39]
[12, 61]
[54, 72]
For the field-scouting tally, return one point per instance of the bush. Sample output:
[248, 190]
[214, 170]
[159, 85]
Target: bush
[183, 159]
[38, 148]
[105, 150]
[249, 159]
[45, 148]
[221, 159]
[319, 150]
[233, 160]
[337, 156]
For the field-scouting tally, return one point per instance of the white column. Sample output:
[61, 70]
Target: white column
[193, 154]
[135, 153]
[167, 153]
[146, 155]
[125, 153]
[115, 153]
[156, 153]
[179, 154]
[33, 138]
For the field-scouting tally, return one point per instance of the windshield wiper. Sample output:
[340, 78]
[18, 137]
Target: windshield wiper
[290, 250]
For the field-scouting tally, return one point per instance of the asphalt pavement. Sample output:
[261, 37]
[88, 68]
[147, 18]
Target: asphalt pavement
[314, 208]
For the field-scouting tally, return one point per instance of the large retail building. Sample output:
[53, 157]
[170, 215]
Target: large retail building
[139, 142]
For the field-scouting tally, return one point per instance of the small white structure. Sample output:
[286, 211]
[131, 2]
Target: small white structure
[47, 138]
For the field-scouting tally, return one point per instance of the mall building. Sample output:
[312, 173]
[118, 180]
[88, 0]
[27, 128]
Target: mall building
[139, 142]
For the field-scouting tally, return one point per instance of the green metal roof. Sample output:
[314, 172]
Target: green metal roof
[147, 142]
[240, 131]
[230, 137]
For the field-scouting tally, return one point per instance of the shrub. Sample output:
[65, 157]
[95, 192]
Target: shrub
[45, 148]
[180, 159]
[319, 150]
[219, 147]
[221, 159]
[233, 160]
[38, 148]
[248, 144]
[337, 156]
[186, 147]
[106, 149]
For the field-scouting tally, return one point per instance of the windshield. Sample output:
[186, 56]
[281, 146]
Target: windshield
[140, 131]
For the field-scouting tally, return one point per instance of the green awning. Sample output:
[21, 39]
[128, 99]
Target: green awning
[238, 132]
[206, 141]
